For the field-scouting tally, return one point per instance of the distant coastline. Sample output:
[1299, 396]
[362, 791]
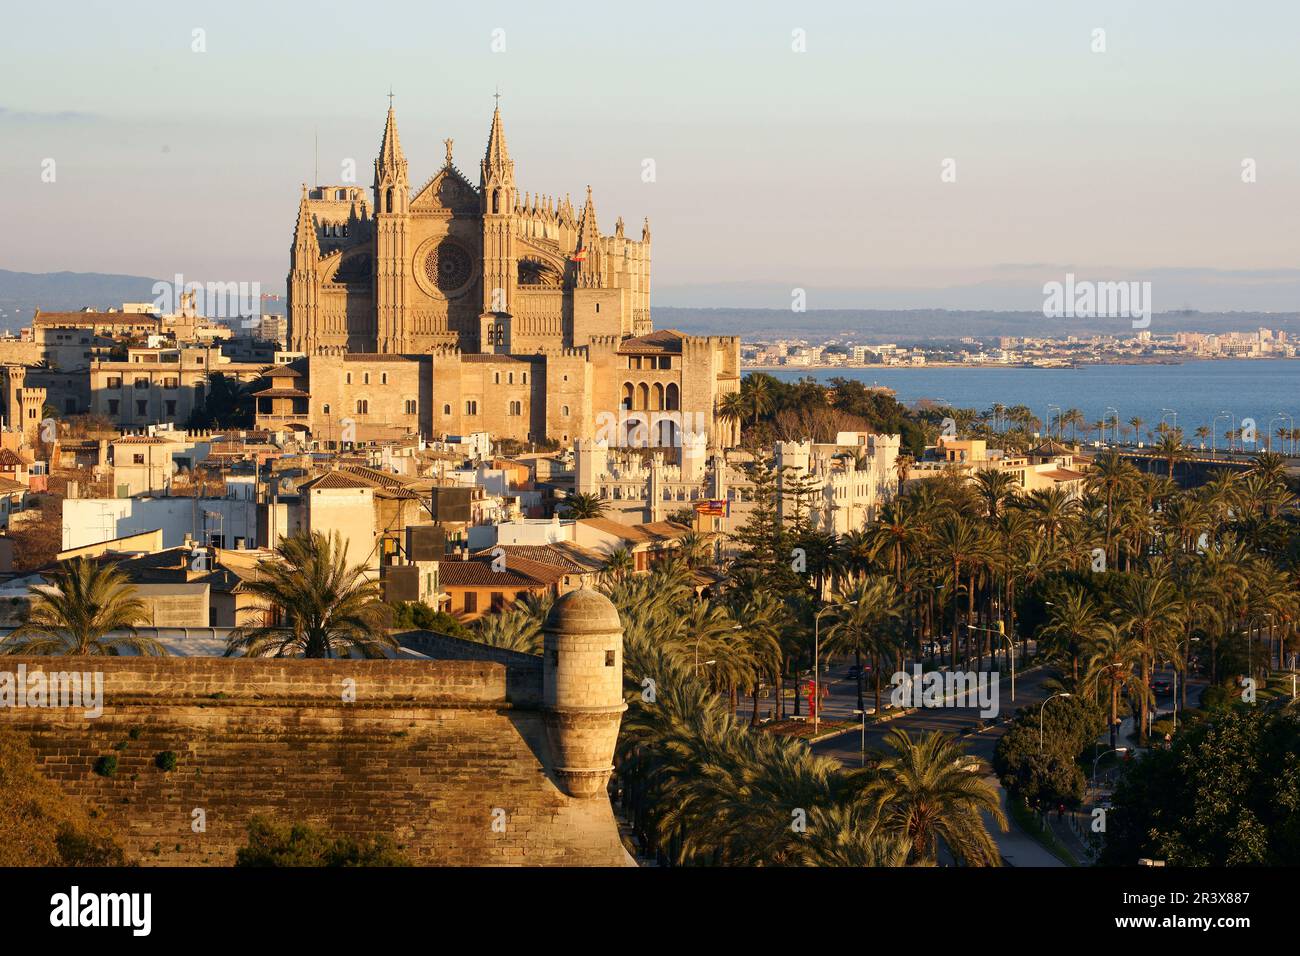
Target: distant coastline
[748, 367]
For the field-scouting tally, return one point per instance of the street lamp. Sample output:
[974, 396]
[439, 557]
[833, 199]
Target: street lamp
[1117, 750]
[1165, 412]
[1049, 418]
[1011, 649]
[863, 712]
[817, 700]
[1040, 718]
[1291, 419]
[1232, 422]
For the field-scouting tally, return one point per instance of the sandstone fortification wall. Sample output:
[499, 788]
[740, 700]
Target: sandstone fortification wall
[431, 752]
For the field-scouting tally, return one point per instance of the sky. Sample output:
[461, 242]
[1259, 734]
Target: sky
[794, 145]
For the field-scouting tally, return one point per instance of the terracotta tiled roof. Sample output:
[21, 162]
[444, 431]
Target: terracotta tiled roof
[11, 458]
[282, 393]
[564, 556]
[377, 476]
[609, 526]
[663, 340]
[665, 529]
[335, 480]
[477, 573]
[97, 318]
[141, 440]
[1063, 474]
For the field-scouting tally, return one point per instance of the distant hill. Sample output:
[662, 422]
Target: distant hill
[22, 293]
[928, 325]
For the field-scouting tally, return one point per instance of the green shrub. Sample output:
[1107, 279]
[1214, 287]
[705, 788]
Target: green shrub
[275, 844]
[166, 760]
[106, 766]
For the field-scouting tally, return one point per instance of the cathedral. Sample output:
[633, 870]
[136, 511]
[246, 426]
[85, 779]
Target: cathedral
[478, 286]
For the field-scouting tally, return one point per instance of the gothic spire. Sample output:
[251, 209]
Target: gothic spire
[588, 230]
[390, 150]
[304, 231]
[497, 170]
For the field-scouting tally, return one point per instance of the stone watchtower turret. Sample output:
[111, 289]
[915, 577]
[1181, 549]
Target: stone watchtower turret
[582, 681]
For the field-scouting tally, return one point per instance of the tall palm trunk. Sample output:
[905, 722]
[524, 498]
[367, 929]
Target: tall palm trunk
[1143, 702]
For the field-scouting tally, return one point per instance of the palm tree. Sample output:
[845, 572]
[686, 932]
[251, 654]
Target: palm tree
[924, 792]
[963, 548]
[756, 392]
[1170, 448]
[618, 565]
[1073, 623]
[1137, 422]
[902, 467]
[1149, 611]
[583, 505]
[1109, 669]
[864, 620]
[77, 614]
[731, 408]
[995, 488]
[316, 604]
[512, 630]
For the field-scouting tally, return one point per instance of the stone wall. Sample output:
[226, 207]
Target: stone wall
[427, 752]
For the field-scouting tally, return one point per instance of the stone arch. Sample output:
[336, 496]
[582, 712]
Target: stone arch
[627, 395]
[672, 397]
[658, 397]
[643, 396]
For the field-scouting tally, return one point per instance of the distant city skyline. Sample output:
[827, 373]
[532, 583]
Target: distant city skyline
[774, 169]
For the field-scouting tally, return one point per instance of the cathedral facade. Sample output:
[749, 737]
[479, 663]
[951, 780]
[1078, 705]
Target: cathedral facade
[476, 286]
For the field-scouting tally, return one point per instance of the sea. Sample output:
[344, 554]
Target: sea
[1187, 395]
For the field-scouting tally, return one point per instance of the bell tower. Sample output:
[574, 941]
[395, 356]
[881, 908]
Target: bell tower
[392, 240]
[500, 276]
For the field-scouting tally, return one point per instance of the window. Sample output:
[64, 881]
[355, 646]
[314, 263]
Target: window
[383, 378]
[171, 408]
[564, 410]
[496, 378]
[365, 378]
[142, 407]
[113, 406]
[171, 383]
[325, 409]
[141, 383]
[446, 409]
[115, 381]
[70, 406]
[471, 408]
[363, 406]
[137, 459]
[471, 602]
[510, 378]
[516, 408]
[525, 378]
[347, 379]
[597, 308]
[498, 600]
[609, 658]
[410, 406]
